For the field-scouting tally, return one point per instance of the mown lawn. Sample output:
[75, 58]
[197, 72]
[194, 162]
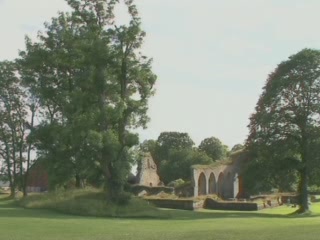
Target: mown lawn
[18, 223]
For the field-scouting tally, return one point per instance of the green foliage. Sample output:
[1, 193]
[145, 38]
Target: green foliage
[16, 109]
[172, 141]
[236, 148]
[176, 183]
[179, 164]
[164, 147]
[149, 146]
[93, 86]
[214, 148]
[174, 154]
[283, 128]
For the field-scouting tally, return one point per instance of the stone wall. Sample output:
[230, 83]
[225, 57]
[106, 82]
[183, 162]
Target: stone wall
[147, 172]
[184, 204]
[223, 179]
[137, 189]
[235, 206]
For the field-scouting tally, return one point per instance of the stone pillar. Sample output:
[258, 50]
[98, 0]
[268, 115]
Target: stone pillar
[195, 193]
[195, 183]
[207, 183]
[236, 186]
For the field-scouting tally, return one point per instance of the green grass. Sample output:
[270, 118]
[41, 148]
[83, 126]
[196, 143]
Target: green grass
[33, 224]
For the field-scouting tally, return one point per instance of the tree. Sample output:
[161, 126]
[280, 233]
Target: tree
[314, 170]
[214, 148]
[15, 105]
[288, 111]
[168, 141]
[148, 146]
[236, 148]
[174, 155]
[272, 167]
[179, 162]
[93, 85]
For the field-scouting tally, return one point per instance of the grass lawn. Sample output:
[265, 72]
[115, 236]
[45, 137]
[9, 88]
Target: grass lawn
[18, 223]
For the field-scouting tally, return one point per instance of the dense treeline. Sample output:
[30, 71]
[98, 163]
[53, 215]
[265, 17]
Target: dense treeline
[175, 153]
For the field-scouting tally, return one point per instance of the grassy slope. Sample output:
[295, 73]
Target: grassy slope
[89, 202]
[17, 223]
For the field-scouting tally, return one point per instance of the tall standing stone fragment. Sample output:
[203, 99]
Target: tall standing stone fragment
[147, 174]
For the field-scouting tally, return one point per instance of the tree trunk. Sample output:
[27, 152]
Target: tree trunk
[26, 175]
[21, 175]
[24, 186]
[303, 191]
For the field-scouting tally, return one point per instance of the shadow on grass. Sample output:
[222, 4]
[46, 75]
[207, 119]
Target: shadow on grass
[7, 202]
[9, 207]
[190, 215]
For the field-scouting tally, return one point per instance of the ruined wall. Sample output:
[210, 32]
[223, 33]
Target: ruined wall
[224, 180]
[147, 174]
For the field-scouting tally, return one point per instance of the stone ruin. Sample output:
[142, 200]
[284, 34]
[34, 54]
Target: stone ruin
[147, 172]
[223, 179]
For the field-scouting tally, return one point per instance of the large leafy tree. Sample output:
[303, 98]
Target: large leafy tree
[288, 111]
[93, 85]
[214, 148]
[168, 141]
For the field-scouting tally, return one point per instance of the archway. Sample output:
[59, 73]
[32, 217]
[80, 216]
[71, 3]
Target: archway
[221, 185]
[202, 185]
[212, 184]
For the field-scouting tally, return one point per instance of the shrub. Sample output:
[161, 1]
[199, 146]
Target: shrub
[176, 183]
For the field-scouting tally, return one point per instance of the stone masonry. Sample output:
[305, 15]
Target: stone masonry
[224, 179]
[147, 174]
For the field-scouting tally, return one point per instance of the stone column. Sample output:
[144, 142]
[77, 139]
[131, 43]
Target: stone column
[207, 182]
[195, 183]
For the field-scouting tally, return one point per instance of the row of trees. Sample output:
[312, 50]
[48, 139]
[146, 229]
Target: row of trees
[175, 152]
[74, 95]
[17, 117]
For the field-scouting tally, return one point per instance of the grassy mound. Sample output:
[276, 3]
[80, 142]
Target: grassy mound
[90, 202]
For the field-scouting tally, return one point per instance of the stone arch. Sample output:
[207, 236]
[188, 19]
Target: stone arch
[202, 184]
[212, 184]
[221, 185]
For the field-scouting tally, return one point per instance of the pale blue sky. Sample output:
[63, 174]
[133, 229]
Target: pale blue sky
[211, 57]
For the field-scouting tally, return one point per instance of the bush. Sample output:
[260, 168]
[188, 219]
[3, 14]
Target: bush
[176, 183]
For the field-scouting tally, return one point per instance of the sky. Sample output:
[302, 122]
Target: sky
[211, 57]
